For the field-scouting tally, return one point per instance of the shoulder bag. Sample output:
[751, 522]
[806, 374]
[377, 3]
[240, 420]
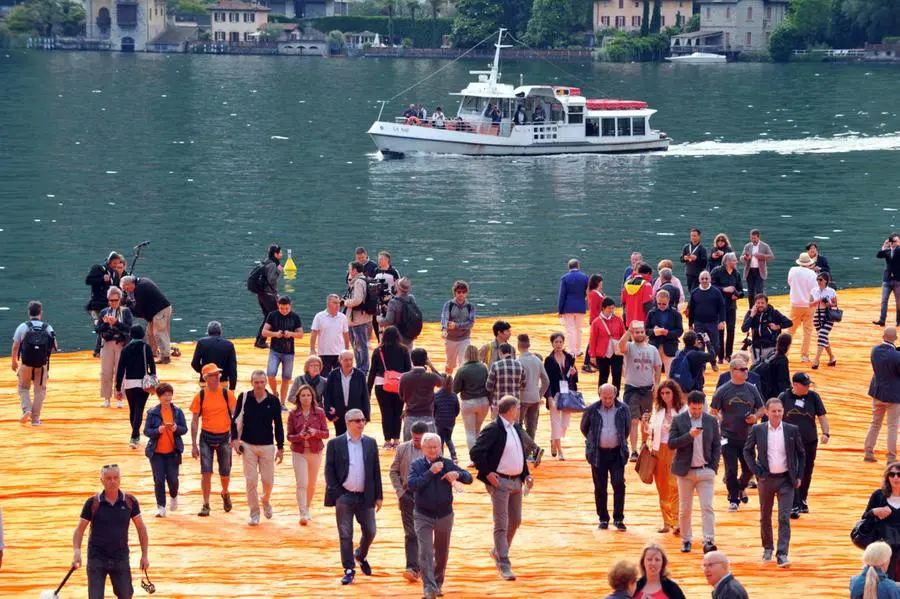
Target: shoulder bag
[834, 315]
[568, 401]
[646, 464]
[391, 377]
[150, 381]
[865, 532]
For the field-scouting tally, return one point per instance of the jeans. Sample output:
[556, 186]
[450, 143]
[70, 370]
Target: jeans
[613, 365]
[29, 376]
[119, 572]
[726, 337]
[887, 289]
[702, 480]
[409, 421]
[348, 506]
[573, 323]
[137, 400]
[109, 360]
[268, 302]
[391, 407]
[286, 361]
[528, 417]
[165, 470]
[732, 454]
[473, 413]
[812, 448]
[610, 467]
[506, 501]
[881, 409]
[434, 546]
[259, 462]
[222, 450]
[446, 434]
[407, 503]
[359, 336]
[158, 332]
[755, 285]
[769, 487]
[306, 470]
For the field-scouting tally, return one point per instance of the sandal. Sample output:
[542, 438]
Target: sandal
[833, 363]
[663, 529]
[815, 366]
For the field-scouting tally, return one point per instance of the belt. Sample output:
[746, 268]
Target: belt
[509, 476]
[778, 474]
[698, 467]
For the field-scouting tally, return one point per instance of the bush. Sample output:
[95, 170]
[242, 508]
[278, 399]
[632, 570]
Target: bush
[783, 41]
[891, 39]
[407, 42]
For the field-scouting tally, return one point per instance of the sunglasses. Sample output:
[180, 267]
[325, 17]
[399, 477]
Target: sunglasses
[742, 369]
[114, 300]
[147, 584]
[105, 466]
[893, 474]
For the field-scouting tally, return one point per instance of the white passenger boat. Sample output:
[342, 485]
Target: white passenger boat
[558, 120]
[698, 58]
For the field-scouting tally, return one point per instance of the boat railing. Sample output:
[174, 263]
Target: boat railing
[502, 129]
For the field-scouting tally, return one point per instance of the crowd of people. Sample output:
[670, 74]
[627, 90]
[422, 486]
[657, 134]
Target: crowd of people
[764, 422]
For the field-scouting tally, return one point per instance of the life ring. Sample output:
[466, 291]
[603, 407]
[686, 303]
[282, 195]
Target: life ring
[412, 120]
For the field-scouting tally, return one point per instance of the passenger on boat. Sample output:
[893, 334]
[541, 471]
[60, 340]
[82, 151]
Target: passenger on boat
[539, 116]
[496, 118]
[411, 112]
[519, 118]
[422, 113]
[437, 118]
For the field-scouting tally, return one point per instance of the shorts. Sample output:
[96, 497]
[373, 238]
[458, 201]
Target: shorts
[639, 400]
[220, 445]
[287, 365]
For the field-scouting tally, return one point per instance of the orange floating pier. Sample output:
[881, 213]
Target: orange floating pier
[46, 474]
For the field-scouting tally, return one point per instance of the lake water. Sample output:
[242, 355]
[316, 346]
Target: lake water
[213, 157]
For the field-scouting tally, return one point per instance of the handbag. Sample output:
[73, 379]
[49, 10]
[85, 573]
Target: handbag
[150, 381]
[834, 315]
[864, 533]
[646, 464]
[570, 401]
[391, 377]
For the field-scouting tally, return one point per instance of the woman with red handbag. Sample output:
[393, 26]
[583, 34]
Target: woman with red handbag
[389, 361]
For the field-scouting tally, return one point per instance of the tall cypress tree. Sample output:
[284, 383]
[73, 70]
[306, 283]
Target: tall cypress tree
[654, 22]
[645, 20]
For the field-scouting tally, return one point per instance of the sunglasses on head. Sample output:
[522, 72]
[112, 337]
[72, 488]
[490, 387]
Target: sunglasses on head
[110, 466]
[893, 474]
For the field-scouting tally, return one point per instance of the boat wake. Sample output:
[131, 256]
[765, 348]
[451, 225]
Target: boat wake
[810, 145]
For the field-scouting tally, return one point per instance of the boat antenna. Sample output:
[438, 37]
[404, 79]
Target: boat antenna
[584, 84]
[449, 64]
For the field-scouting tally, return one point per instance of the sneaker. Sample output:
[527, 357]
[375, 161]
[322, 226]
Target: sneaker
[604, 524]
[105, 403]
[709, 546]
[26, 416]
[783, 561]
[870, 458]
[254, 520]
[411, 575]
[587, 369]
[173, 504]
[226, 502]
[36, 423]
[752, 484]
[686, 547]
[119, 404]
[620, 525]
[562, 458]
[634, 456]
[204, 511]
[804, 507]
[506, 572]
[284, 408]
[267, 511]
[879, 323]
[304, 518]
[804, 359]
[363, 565]
[767, 555]
[795, 512]
[538, 455]
[132, 443]
[160, 511]
[732, 507]
[348, 574]
[164, 361]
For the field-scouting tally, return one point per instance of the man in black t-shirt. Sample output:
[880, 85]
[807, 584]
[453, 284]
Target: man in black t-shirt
[801, 408]
[737, 404]
[282, 327]
[109, 513]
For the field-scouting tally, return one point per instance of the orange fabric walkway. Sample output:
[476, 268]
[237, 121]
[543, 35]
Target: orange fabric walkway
[46, 474]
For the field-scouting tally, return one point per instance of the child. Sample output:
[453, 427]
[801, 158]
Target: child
[446, 409]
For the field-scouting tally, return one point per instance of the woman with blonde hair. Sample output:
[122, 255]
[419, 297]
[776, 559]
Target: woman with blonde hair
[873, 581]
[721, 246]
[669, 403]
[654, 582]
[312, 376]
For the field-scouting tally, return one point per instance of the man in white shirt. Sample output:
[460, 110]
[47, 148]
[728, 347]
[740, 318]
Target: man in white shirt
[802, 281]
[499, 456]
[779, 465]
[330, 334]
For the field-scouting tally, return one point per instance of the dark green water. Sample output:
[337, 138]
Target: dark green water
[102, 151]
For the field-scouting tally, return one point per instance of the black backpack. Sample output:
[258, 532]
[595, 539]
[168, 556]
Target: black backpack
[373, 296]
[257, 279]
[763, 370]
[410, 325]
[36, 345]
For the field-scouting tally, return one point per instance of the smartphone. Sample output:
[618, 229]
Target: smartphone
[699, 428]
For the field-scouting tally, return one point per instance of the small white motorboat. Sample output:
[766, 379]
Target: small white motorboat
[698, 58]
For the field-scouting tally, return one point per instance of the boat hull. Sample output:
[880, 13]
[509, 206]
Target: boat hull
[398, 140]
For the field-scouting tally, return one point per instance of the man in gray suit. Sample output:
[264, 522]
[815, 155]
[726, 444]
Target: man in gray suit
[779, 465]
[884, 389]
[407, 453]
[694, 436]
[756, 257]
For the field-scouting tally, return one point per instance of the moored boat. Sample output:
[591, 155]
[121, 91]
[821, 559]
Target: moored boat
[698, 58]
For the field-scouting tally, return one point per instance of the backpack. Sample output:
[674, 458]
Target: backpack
[680, 372]
[95, 505]
[36, 345]
[410, 325]
[373, 296]
[257, 279]
[763, 370]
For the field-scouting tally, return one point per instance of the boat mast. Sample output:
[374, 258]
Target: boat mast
[493, 76]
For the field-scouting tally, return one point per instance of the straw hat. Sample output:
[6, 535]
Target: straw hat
[805, 260]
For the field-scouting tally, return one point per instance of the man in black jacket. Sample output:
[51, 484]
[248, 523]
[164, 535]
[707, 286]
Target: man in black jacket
[100, 278]
[664, 328]
[727, 280]
[779, 465]
[345, 390]
[606, 425]
[499, 456]
[764, 323]
[269, 295]
[216, 349]
[890, 282]
[695, 259]
[353, 488]
[150, 304]
[694, 436]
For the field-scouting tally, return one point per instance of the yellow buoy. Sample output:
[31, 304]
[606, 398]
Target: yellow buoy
[289, 266]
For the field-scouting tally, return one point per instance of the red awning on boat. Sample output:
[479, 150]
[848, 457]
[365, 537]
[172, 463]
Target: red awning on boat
[615, 104]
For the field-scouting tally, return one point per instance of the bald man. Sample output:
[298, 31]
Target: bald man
[717, 570]
[884, 389]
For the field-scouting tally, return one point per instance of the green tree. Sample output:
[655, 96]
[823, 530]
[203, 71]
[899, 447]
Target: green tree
[435, 11]
[47, 18]
[811, 19]
[550, 24]
[783, 41]
[692, 24]
[877, 18]
[645, 20]
[192, 7]
[390, 6]
[655, 19]
[475, 20]
[517, 14]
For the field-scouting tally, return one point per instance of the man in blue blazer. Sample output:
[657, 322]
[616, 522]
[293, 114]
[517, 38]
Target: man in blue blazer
[572, 304]
[345, 390]
[884, 389]
[353, 487]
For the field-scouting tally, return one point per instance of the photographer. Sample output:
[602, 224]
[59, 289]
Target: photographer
[268, 297]
[766, 323]
[354, 304]
[697, 353]
[100, 278]
[151, 305]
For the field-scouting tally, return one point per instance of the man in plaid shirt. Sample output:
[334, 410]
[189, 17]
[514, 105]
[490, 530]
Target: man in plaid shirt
[507, 377]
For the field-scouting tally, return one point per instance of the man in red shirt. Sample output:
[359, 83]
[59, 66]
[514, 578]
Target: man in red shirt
[637, 295]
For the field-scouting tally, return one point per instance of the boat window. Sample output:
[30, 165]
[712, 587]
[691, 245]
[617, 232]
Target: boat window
[592, 127]
[623, 127]
[576, 115]
[639, 126]
[472, 104]
[609, 127]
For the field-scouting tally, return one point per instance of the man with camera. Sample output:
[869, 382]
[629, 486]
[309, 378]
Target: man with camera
[151, 304]
[890, 253]
[360, 321]
[764, 323]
